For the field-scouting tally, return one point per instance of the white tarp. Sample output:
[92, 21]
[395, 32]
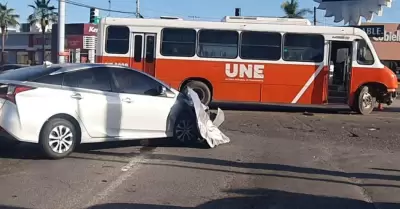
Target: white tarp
[208, 129]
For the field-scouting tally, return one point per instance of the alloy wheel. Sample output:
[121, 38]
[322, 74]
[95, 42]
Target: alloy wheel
[185, 131]
[60, 139]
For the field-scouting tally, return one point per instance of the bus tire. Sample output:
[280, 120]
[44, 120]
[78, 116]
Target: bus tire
[202, 90]
[365, 102]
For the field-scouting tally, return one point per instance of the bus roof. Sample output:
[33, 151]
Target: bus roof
[179, 23]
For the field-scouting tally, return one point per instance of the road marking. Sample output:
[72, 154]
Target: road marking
[128, 170]
[308, 83]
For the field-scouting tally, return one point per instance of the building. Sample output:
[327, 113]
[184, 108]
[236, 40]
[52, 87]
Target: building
[26, 47]
[386, 40]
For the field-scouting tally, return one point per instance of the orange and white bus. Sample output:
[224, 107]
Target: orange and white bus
[253, 59]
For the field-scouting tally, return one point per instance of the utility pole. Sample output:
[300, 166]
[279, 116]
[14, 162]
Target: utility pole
[137, 9]
[315, 15]
[61, 31]
[109, 7]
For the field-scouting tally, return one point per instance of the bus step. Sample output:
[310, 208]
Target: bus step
[337, 100]
[337, 94]
[335, 87]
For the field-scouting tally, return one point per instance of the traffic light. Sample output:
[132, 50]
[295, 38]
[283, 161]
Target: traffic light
[237, 11]
[94, 15]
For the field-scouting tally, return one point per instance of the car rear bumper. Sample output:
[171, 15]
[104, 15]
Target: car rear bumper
[10, 124]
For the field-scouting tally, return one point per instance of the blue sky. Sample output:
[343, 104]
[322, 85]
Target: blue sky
[201, 9]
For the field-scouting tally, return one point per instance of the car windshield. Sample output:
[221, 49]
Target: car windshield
[27, 73]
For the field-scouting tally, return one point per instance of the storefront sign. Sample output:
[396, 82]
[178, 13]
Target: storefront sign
[38, 40]
[389, 37]
[373, 30]
[74, 42]
[90, 29]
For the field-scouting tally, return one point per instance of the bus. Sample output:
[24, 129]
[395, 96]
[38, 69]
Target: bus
[252, 60]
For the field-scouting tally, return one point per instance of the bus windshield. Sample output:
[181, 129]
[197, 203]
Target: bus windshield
[364, 53]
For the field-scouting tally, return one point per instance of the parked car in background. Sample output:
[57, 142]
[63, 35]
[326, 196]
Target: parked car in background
[61, 106]
[11, 67]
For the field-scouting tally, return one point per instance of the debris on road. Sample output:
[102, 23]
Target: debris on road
[308, 114]
[207, 128]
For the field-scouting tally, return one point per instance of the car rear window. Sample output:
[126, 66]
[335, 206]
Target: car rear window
[27, 73]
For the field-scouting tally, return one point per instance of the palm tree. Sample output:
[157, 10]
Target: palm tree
[44, 14]
[7, 18]
[292, 10]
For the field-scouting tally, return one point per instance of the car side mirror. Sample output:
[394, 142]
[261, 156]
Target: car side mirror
[162, 90]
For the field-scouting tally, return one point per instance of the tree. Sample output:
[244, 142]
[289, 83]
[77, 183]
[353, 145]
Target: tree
[292, 10]
[7, 18]
[44, 14]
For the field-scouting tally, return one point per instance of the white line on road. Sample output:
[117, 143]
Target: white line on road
[128, 170]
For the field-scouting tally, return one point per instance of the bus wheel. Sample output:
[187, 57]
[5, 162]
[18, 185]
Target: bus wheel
[202, 90]
[365, 101]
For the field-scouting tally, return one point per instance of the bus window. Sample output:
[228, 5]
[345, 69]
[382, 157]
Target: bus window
[117, 40]
[178, 42]
[303, 47]
[218, 44]
[260, 45]
[138, 48]
[364, 54]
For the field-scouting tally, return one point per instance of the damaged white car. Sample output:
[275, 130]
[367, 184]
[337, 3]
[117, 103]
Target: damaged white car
[61, 106]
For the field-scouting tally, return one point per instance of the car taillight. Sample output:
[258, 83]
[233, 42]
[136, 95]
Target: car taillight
[12, 91]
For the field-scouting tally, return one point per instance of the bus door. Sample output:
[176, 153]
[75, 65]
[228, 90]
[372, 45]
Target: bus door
[340, 60]
[143, 52]
[149, 55]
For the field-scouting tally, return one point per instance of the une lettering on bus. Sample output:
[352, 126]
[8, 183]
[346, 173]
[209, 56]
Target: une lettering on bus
[244, 71]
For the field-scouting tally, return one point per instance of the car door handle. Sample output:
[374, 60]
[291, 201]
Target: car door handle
[76, 96]
[127, 100]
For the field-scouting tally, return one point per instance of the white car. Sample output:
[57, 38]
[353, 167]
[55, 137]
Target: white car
[61, 106]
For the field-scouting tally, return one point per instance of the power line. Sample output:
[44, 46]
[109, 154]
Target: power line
[99, 8]
[131, 13]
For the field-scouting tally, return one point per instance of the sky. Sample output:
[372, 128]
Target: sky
[213, 10]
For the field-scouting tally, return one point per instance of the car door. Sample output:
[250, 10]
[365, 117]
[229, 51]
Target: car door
[98, 107]
[144, 113]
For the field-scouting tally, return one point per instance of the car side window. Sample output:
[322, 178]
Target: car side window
[95, 78]
[51, 79]
[131, 82]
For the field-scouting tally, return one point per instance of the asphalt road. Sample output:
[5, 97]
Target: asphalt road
[275, 159]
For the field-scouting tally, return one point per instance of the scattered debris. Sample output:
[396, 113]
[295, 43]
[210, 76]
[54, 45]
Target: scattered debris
[308, 114]
[353, 134]
[374, 129]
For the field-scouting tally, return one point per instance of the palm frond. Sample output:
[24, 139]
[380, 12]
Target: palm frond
[291, 9]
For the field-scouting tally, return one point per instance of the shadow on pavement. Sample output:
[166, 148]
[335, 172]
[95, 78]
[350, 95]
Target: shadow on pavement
[337, 109]
[260, 198]
[30, 151]
[273, 167]
[386, 169]
[323, 109]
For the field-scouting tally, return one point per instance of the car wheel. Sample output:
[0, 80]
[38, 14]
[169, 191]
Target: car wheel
[186, 130]
[365, 102]
[58, 138]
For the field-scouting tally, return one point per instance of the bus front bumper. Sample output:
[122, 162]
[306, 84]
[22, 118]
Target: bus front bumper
[389, 97]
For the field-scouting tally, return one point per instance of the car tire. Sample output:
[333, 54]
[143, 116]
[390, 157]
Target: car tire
[365, 102]
[186, 131]
[202, 90]
[58, 138]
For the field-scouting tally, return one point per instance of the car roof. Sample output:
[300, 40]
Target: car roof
[68, 67]
[14, 64]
